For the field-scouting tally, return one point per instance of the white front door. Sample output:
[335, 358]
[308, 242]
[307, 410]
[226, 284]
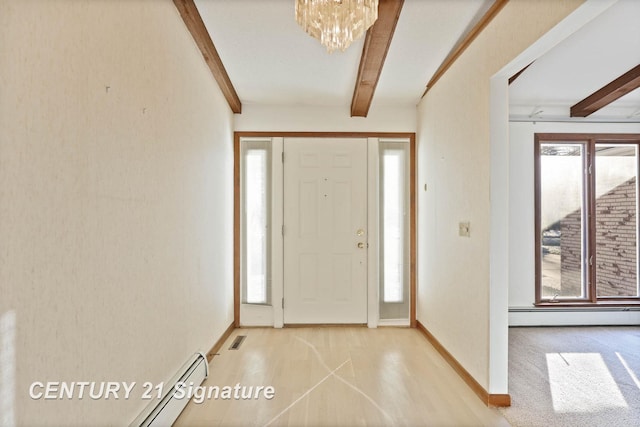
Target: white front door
[325, 230]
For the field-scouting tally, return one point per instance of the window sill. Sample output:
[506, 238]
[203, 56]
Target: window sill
[620, 304]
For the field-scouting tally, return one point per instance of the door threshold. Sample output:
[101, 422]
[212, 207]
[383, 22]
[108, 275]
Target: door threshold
[325, 325]
[394, 322]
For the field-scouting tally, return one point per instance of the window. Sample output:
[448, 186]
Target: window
[586, 218]
[394, 229]
[256, 217]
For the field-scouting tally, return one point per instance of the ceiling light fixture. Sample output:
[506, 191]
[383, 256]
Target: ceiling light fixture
[336, 23]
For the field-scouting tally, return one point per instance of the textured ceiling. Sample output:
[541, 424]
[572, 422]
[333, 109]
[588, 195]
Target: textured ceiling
[595, 55]
[271, 60]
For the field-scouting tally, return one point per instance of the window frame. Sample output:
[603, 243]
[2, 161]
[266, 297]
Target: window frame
[589, 181]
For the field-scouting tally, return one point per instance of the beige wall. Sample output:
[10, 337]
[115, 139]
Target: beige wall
[304, 118]
[453, 159]
[116, 199]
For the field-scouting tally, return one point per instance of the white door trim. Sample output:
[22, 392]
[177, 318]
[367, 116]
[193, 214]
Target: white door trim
[373, 227]
[277, 239]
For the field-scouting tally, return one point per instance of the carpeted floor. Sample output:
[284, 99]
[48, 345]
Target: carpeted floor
[574, 376]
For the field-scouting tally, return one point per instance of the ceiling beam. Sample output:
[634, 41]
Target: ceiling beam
[195, 25]
[624, 84]
[516, 75]
[466, 42]
[374, 52]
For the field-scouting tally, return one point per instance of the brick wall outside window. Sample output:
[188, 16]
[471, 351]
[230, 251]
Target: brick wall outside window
[616, 270]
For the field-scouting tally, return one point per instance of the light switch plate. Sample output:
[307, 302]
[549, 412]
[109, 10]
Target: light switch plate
[464, 229]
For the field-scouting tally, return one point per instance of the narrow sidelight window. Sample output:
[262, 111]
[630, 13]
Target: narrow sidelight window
[256, 229]
[586, 218]
[394, 232]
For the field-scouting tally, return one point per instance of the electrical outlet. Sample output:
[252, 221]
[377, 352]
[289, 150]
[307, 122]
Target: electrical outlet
[464, 229]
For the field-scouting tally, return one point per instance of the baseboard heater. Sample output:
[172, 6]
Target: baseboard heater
[164, 412]
[570, 309]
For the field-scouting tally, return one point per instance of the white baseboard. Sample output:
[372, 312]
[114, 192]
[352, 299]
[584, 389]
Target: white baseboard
[591, 316]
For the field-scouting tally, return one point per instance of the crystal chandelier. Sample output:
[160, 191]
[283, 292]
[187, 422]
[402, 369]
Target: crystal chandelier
[336, 23]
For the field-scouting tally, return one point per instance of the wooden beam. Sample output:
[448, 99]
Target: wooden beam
[466, 41]
[516, 75]
[376, 46]
[624, 84]
[195, 25]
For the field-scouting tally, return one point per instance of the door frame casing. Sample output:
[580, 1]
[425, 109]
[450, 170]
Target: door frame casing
[372, 141]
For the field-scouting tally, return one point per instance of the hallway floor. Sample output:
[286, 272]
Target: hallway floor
[335, 376]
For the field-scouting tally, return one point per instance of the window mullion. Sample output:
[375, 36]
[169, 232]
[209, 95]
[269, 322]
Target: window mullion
[590, 179]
